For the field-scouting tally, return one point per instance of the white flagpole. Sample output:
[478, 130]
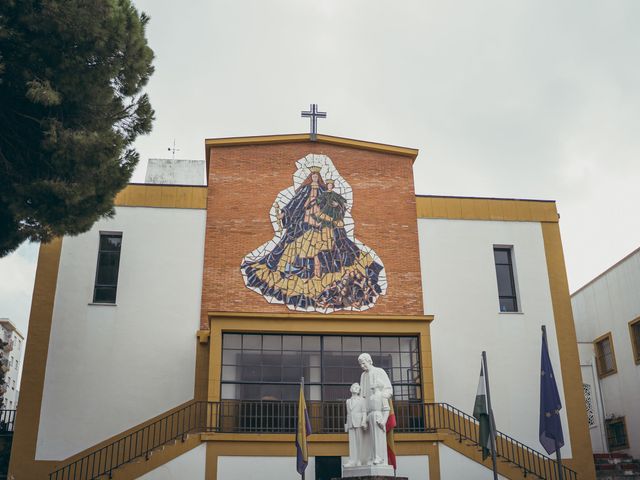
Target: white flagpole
[492, 426]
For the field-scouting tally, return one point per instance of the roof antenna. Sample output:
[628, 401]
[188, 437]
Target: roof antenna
[173, 150]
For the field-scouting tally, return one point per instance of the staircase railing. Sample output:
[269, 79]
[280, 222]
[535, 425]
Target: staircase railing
[445, 416]
[244, 416]
[195, 417]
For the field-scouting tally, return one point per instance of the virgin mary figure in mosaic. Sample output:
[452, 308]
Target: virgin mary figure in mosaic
[314, 262]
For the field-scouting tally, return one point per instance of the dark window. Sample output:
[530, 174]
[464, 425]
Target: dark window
[107, 270]
[605, 357]
[617, 434]
[506, 279]
[269, 367]
[634, 331]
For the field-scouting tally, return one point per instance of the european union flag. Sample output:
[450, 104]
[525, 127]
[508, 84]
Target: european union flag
[551, 436]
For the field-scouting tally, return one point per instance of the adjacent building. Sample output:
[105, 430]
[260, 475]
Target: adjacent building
[193, 313]
[11, 363]
[607, 316]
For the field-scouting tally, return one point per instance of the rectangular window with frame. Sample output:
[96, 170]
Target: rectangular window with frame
[507, 293]
[617, 434]
[634, 331]
[605, 355]
[108, 265]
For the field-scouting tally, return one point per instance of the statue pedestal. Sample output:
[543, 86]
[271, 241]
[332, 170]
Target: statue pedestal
[369, 472]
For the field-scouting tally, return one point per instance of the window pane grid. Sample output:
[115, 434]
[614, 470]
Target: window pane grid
[265, 367]
[635, 339]
[617, 434]
[605, 357]
[506, 281]
[106, 281]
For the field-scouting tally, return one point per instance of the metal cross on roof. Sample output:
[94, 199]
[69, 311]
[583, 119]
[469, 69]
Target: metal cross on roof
[314, 115]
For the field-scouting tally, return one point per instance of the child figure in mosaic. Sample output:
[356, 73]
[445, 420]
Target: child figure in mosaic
[314, 262]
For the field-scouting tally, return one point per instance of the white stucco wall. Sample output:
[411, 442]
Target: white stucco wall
[190, 465]
[460, 289]
[416, 467]
[262, 468]
[454, 466]
[590, 378]
[605, 305]
[112, 367]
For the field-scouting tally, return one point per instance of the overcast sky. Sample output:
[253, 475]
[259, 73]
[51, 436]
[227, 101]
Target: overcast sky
[519, 99]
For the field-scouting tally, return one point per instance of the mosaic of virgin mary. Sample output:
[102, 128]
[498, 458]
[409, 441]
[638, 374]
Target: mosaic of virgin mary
[314, 262]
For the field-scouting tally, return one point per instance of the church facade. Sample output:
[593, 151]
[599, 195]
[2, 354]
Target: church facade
[169, 341]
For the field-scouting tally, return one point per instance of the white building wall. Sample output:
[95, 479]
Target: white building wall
[111, 367]
[14, 358]
[460, 289]
[454, 466]
[593, 398]
[605, 305]
[415, 467]
[190, 465]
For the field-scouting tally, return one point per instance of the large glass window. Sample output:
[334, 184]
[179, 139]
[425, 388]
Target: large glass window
[269, 367]
[503, 257]
[107, 270]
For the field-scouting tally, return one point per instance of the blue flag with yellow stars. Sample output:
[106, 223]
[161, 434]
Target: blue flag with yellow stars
[551, 436]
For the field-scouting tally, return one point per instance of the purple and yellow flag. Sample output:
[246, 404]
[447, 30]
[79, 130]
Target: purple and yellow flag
[302, 432]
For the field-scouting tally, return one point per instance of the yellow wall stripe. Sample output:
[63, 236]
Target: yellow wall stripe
[499, 209]
[162, 196]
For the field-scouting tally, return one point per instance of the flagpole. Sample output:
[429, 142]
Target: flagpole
[558, 456]
[302, 387]
[492, 426]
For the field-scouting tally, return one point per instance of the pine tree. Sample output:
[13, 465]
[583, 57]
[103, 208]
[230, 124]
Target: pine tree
[71, 105]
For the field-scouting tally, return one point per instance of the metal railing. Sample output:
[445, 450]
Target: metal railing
[532, 462]
[7, 421]
[246, 416]
[195, 417]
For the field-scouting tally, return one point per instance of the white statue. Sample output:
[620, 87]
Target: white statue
[356, 426]
[377, 390]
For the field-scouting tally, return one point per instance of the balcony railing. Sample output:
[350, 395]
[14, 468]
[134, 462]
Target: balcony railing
[245, 417]
[7, 421]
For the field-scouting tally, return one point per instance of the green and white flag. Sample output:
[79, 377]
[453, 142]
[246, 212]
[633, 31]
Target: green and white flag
[481, 413]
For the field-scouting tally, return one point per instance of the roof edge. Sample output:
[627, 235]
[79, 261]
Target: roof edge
[603, 273]
[302, 137]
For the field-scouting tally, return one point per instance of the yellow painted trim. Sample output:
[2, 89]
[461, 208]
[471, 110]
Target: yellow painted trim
[606, 336]
[304, 137]
[499, 209]
[220, 322]
[634, 346]
[217, 449]
[23, 453]
[320, 316]
[203, 336]
[582, 458]
[162, 196]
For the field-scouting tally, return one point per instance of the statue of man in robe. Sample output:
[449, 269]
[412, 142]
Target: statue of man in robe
[376, 389]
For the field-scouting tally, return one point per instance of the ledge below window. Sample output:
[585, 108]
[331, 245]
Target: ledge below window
[103, 304]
